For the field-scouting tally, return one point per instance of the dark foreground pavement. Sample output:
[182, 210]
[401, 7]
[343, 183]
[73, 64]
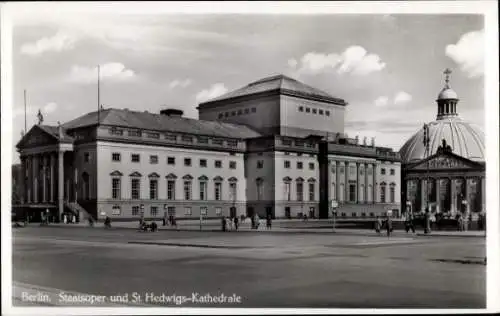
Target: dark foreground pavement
[264, 270]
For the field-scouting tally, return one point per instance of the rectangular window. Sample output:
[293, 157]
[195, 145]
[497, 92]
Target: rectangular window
[116, 131]
[135, 210]
[299, 154]
[202, 140]
[287, 153]
[203, 190]
[327, 113]
[136, 189]
[218, 191]
[170, 160]
[203, 163]
[153, 210]
[311, 192]
[86, 157]
[217, 142]
[260, 164]
[240, 112]
[286, 142]
[392, 192]
[116, 189]
[187, 211]
[153, 159]
[311, 166]
[300, 191]
[301, 109]
[393, 172]
[116, 210]
[299, 164]
[308, 110]
[382, 171]
[287, 191]
[135, 133]
[232, 154]
[314, 111]
[171, 137]
[135, 158]
[233, 113]
[287, 164]
[320, 112]
[171, 190]
[218, 211]
[352, 192]
[187, 139]
[115, 156]
[247, 111]
[187, 190]
[153, 189]
[153, 135]
[382, 194]
[232, 143]
[226, 114]
[254, 110]
[187, 162]
[171, 211]
[232, 165]
[299, 143]
[232, 191]
[218, 164]
[221, 115]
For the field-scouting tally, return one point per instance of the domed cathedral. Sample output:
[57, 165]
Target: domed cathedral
[443, 164]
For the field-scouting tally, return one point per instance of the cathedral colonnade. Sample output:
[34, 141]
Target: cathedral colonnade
[448, 194]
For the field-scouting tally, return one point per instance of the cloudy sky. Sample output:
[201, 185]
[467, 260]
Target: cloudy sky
[388, 67]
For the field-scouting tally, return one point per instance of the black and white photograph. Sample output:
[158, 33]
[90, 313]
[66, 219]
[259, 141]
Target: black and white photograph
[249, 157]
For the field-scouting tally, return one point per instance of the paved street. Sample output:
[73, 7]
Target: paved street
[265, 270]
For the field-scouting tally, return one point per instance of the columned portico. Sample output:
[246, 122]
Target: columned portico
[52, 177]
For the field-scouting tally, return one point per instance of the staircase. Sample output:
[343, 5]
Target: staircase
[78, 210]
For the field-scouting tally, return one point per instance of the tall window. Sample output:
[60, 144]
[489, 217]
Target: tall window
[352, 192]
[170, 190]
[311, 166]
[260, 164]
[154, 210]
[287, 192]
[382, 171]
[232, 165]
[203, 190]
[136, 189]
[232, 191]
[299, 164]
[116, 189]
[115, 157]
[287, 164]
[170, 160]
[153, 189]
[218, 164]
[300, 191]
[382, 193]
[135, 158]
[135, 210]
[187, 189]
[187, 162]
[260, 185]
[311, 191]
[218, 191]
[393, 172]
[203, 163]
[392, 193]
[86, 157]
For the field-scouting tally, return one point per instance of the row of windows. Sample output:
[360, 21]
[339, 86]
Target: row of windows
[299, 154]
[153, 159]
[237, 112]
[135, 187]
[299, 189]
[171, 210]
[298, 143]
[173, 137]
[314, 111]
[287, 164]
[392, 171]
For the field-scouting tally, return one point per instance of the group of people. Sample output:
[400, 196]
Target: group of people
[171, 221]
[387, 224]
[229, 224]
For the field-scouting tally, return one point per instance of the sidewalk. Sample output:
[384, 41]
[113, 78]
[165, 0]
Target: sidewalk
[304, 228]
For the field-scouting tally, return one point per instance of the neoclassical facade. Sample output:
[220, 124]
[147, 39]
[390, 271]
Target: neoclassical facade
[450, 176]
[274, 147]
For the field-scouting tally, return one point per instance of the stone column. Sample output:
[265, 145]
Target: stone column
[438, 197]
[374, 183]
[44, 178]
[29, 181]
[453, 193]
[23, 180]
[60, 197]
[366, 184]
[52, 176]
[483, 194]
[346, 181]
[337, 180]
[357, 182]
[35, 178]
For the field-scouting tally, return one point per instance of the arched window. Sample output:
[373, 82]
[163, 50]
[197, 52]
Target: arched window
[392, 192]
[116, 185]
[299, 182]
[382, 192]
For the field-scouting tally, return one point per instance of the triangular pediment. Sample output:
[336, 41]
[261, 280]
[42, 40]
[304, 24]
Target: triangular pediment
[135, 174]
[445, 160]
[37, 136]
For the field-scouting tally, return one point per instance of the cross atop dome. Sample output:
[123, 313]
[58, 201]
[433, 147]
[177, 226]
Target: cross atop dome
[447, 73]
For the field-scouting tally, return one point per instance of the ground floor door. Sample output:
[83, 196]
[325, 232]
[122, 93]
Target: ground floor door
[288, 213]
[232, 212]
[269, 212]
[250, 211]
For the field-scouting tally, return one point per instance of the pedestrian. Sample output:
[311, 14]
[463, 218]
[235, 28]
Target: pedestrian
[459, 222]
[427, 223]
[412, 223]
[252, 222]
[164, 221]
[268, 222]
[229, 222]
[236, 223]
[223, 222]
[378, 225]
[257, 221]
[305, 217]
[388, 225]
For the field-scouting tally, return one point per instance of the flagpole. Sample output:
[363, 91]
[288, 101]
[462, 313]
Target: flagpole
[98, 94]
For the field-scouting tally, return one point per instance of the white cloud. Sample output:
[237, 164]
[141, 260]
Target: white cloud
[354, 60]
[111, 71]
[59, 42]
[402, 97]
[180, 83]
[468, 53]
[214, 91]
[49, 108]
[381, 101]
[292, 63]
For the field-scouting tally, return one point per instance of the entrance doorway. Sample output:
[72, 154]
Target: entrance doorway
[269, 212]
[250, 212]
[288, 213]
[232, 212]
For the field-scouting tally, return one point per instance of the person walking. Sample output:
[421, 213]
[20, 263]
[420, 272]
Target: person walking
[427, 222]
[388, 225]
[223, 222]
[229, 222]
[236, 223]
[268, 222]
[378, 225]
